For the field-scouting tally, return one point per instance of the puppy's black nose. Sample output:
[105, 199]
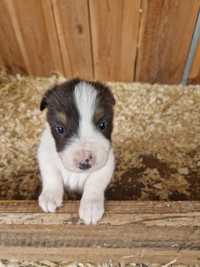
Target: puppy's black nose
[84, 165]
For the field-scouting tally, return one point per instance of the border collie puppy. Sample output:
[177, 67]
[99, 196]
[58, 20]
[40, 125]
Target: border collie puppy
[75, 150]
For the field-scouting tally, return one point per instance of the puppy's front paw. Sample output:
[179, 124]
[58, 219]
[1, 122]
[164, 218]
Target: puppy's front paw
[50, 200]
[91, 210]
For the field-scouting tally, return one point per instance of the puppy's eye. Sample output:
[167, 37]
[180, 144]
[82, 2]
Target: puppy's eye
[102, 125]
[60, 130]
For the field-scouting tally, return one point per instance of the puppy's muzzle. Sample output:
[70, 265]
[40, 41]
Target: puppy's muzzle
[84, 159]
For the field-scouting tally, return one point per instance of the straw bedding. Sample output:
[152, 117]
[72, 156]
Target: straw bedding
[156, 140]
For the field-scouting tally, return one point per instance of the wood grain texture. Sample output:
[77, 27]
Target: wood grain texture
[72, 22]
[35, 34]
[122, 207]
[184, 257]
[114, 26]
[11, 56]
[165, 35]
[153, 232]
[194, 76]
[116, 40]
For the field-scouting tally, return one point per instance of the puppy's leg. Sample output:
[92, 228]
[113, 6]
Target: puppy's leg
[52, 182]
[52, 189]
[92, 203]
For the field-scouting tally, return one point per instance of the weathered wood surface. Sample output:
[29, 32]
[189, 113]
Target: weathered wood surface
[28, 39]
[194, 76]
[153, 232]
[114, 31]
[166, 30]
[72, 23]
[118, 40]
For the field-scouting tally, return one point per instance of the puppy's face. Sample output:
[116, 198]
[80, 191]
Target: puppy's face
[80, 115]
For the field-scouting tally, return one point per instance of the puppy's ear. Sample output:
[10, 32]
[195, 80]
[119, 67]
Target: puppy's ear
[110, 97]
[104, 92]
[43, 103]
[45, 99]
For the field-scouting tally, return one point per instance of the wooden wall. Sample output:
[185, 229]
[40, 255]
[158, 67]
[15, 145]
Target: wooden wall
[121, 40]
[194, 76]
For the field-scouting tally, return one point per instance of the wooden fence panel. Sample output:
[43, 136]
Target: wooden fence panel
[35, 35]
[166, 31]
[194, 76]
[11, 55]
[114, 26]
[72, 22]
[118, 40]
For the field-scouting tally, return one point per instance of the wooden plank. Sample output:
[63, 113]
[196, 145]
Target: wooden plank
[117, 207]
[168, 219]
[192, 50]
[72, 22]
[165, 36]
[12, 56]
[153, 232]
[35, 35]
[194, 76]
[114, 25]
[96, 255]
[101, 237]
[117, 213]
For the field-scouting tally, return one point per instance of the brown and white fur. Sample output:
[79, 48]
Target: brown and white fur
[75, 150]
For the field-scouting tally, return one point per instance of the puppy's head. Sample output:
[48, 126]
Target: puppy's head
[80, 116]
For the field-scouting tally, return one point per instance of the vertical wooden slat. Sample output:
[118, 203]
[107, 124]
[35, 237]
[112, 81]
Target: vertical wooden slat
[194, 76]
[193, 47]
[35, 35]
[54, 45]
[60, 35]
[72, 21]
[165, 37]
[114, 25]
[11, 55]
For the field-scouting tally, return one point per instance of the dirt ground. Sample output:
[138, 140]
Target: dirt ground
[156, 140]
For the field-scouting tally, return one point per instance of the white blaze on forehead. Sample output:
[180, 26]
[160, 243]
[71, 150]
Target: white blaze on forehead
[85, 99]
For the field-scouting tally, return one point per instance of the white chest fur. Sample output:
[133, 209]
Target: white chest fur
[55, 177]
[74, 181]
